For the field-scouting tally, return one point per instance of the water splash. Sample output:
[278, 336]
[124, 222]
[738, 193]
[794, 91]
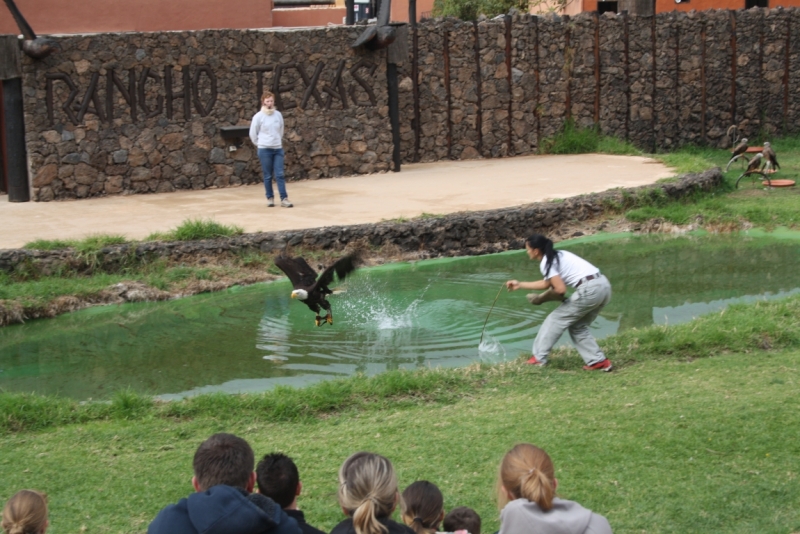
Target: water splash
[491, 350]
[373, 309]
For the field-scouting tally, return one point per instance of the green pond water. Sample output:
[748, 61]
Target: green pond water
[429, 313]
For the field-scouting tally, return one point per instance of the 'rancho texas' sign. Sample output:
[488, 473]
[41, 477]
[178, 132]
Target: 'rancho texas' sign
[149, 93]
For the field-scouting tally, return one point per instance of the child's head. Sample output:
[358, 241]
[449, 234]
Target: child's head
[422, 506]
[462, 518]
[527, 473]
[26, 513]
[367, 491]
[278, 478]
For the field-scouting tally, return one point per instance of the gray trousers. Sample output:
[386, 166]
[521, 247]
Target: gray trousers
[575, 314]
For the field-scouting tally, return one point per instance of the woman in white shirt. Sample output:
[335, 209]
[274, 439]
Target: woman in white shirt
[592, 292]
[266, 133]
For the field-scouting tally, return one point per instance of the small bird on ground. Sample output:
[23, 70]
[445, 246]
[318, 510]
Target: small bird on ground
[770, 157]
[313, 291]
[738, 152]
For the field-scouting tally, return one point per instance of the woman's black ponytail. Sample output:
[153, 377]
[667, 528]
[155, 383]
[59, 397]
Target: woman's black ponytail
[546, 246]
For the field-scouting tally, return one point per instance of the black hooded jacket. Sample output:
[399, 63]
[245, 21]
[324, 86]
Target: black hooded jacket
[224, 510]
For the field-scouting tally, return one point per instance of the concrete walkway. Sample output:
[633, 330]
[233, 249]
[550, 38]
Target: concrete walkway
[435, 188]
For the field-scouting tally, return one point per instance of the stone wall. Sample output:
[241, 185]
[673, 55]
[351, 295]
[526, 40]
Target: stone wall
[136, 113]
[119, 113]
[457, 234]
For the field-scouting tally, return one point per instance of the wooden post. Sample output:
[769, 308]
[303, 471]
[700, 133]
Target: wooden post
[15, 162]
[349, 12]
[397, 53]
[596, 69]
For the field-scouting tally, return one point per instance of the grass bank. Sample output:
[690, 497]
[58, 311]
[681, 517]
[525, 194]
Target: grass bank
[728, 208]
[695, 432]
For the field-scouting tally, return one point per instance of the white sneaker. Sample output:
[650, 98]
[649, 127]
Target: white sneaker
[270, 203]
[286, 203]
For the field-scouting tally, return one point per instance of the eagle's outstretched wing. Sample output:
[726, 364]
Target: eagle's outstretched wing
[299, 272]
[341, 268]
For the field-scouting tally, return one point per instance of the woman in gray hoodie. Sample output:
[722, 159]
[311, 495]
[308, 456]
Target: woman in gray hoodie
[527, 498]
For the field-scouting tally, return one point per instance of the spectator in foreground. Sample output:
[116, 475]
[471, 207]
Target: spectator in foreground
[422, 507]
[26, 513]
[278, 479]
[527, 498]
[224, 502]
[462, 520]
[368, 496]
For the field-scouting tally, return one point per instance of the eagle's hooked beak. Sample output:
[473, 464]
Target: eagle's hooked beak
[294, 294]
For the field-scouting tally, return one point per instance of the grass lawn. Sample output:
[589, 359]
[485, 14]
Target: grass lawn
[667, 443]
[696, 430]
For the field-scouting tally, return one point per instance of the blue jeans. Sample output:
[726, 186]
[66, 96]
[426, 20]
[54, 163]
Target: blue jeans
[272, 163]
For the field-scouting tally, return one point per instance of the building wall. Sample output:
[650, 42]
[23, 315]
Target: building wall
[100, 16]
[136, 113]
[307, 16]
[701, 5]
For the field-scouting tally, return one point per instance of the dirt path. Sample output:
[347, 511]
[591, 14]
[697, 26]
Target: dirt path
[435, 188]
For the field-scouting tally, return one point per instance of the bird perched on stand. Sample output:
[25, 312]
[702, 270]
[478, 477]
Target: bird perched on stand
[770, 157]
[313, 291]
[755, 163]
[738, 152]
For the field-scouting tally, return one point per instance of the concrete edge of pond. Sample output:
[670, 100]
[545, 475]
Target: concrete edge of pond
[457, 234]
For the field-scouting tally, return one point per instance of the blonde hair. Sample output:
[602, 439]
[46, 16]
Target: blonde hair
[527, 472]
[368, 491]
[422, 507]
[25, 513]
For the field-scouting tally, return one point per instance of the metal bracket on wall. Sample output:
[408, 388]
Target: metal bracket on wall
[35, 47]
[235, 136]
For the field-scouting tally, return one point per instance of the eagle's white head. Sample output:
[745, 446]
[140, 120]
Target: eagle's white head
[766, 144]
[300, 294]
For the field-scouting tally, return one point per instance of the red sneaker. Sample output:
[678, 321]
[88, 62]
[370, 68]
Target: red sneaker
[534, 361]
[605, 365]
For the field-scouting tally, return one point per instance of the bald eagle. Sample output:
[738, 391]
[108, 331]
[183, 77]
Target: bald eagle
[309, 289]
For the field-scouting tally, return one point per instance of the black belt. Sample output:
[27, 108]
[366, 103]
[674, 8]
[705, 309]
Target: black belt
[587, 278]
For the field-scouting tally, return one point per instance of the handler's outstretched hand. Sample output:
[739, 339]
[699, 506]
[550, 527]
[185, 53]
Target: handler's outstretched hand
[512, 285]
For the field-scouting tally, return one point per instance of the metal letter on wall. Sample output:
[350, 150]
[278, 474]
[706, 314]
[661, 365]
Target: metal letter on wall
[67, 106]
[185, 93]
[129, 93]
[93, 98]
[277, 88]
[336, 88]
[259, 70]
[204, 109]
[311, 85]
[159, 108]
[370, 66]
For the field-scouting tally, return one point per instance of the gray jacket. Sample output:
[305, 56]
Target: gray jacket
[565, 517]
